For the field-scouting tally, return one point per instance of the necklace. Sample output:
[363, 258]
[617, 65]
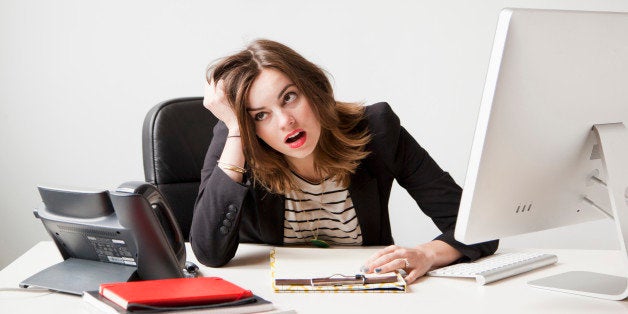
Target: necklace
[315, 241]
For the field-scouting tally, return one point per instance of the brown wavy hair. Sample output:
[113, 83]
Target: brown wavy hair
[342, 143]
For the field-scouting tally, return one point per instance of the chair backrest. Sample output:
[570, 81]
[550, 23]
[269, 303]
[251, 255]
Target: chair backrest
[175, 138]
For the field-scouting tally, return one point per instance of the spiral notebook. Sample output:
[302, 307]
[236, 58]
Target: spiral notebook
[297, 269]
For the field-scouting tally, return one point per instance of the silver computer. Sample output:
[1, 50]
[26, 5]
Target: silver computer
[551, 145]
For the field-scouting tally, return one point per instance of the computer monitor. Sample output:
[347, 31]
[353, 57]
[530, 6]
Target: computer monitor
[551, 146]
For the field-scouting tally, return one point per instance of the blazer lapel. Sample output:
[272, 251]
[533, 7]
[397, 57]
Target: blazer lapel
[271, 207]
[365, 197]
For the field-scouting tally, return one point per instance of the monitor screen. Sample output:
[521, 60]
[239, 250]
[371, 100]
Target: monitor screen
[552, 76]
[550, 128]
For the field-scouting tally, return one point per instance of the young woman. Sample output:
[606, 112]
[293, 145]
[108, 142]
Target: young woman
[288, 164]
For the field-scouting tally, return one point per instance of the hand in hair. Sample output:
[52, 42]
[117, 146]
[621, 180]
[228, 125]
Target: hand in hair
[215, 100]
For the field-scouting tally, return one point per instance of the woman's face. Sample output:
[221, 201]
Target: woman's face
[283, 116]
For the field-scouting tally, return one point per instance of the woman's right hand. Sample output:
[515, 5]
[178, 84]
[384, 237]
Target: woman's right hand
[215, 100]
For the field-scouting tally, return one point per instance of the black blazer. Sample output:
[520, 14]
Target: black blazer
[228, 212]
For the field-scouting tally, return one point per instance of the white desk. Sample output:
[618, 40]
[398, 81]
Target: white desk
[250, 269]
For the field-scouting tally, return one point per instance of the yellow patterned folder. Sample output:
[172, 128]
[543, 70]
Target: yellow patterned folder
[298, 263]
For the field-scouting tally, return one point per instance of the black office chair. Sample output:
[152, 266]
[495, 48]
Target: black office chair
[175, 138]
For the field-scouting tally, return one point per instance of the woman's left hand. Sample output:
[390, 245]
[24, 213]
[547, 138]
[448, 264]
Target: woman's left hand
[414, 261]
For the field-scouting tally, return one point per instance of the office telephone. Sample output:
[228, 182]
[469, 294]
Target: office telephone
[109, 236]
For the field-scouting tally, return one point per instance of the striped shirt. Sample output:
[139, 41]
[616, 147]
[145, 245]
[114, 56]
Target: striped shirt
[323, 211]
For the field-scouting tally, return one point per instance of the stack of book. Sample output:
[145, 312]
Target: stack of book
[185, 295]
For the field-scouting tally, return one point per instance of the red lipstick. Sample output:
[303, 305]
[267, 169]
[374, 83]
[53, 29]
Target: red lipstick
[296, 138]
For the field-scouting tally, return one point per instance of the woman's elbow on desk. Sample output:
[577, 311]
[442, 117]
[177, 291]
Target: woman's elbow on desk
[207, 255]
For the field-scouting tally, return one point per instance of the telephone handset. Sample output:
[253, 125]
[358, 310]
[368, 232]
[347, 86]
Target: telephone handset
[109, 236]
[162, 211]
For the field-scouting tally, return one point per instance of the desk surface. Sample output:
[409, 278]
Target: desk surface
[250, 269]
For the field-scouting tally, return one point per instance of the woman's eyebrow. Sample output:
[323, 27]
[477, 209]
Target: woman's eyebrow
[254, 109]
[284, 89]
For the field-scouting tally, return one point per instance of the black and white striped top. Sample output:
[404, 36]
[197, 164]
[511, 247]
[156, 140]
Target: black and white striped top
[324, 210]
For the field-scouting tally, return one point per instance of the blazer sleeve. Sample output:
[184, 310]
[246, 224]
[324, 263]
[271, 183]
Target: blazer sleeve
[214, 235]
[433, 189]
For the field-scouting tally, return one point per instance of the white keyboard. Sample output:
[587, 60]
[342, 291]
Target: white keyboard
[496, 267]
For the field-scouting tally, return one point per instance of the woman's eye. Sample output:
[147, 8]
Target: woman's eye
[288, 97]
[259, 116]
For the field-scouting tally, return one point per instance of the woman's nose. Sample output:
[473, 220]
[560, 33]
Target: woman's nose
[285, 119]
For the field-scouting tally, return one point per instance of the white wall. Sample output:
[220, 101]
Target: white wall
[77, 78]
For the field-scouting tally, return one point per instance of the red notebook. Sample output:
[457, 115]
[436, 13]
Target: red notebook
[173, 292]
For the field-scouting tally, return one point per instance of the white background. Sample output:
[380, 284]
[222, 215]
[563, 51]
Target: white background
[77, 78]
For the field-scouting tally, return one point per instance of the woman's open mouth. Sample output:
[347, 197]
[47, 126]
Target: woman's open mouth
[296, 138]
